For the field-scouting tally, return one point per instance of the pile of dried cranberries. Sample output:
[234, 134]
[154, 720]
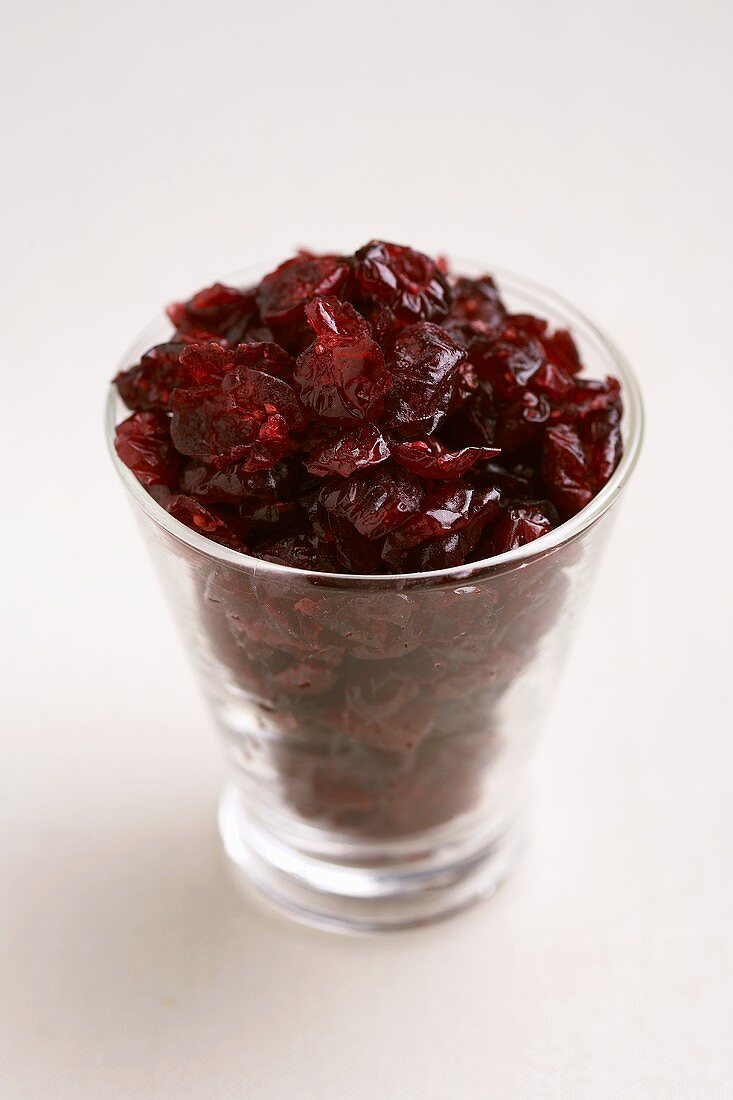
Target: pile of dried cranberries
[367, 414]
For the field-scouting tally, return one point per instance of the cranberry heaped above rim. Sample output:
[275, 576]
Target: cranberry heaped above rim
[367, 414]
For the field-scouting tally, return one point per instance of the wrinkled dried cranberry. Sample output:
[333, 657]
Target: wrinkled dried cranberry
[247, 419]
[559, 346]
[144, 444]
[265, 356]
[423, 368]
[578, 460]
[440, 553]
[376, 501]
[233, 485]
[355, 552]
[150, 384]
[603, 440]
[431, 459]
[407, 281]
[271, 521]
[588, 397]
[305, 551]
[205, 364]
[219, 312]
[566, 470]
[477, 307]
[365, 446]
[509, 362]
[446, 509]
[203, 520]
[519, 524]
[563, 351]
[342, 374]
[284, 293]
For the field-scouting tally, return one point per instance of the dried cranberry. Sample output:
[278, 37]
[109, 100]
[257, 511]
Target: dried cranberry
[150, 384]
[509, 362]
[341, 375]
[143, 442]
[301, 551]
[477, 306]
[247, 418]
[269, 521]
[205, 364]
[603, 440]
[429, 458]
[407, 281]
[284, 293]
[447, 509]
[265, 356]
[376, 501]
[347, 413]
[519, 524]
[233, 485]
[355, 552]
[562, 351]
[423, 368]
[365, 446]
[220, 311]
[588, 397]
[440, 553]
[515, 482]
[566, 470]
[203, 520]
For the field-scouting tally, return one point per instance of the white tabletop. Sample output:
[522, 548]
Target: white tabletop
[151, 147]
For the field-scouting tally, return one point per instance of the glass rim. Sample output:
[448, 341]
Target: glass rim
[564, 533]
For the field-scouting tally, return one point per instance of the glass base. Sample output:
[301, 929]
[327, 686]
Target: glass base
[406, 886]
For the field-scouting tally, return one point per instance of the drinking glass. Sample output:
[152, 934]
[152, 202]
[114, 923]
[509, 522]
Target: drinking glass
[379, 729]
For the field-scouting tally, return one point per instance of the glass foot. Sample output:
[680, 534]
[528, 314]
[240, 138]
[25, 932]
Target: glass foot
[370, 889]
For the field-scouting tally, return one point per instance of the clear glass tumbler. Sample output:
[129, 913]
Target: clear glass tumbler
[378, 729]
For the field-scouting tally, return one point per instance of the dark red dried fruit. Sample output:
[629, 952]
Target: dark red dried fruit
[376, 501]
[354, 551]
[441, 553]
[219, 312]
[423, 369]
[429, 458]
[267, 357]
[284, 293]
[603, 438]
[203, 520]
[341, 375]
[144, 444]
[589, 397]
[447, 509]
[150, 384]
[365, 446]
[304, 551]
[407, 281]
[566, 469]
[508, 362]
[559, 346]
[367, 414]
[477, 307]
[519, 524]
[206, 364]
[233, 485]
[247, 419]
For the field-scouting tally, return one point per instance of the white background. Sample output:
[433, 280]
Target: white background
[150, 147]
